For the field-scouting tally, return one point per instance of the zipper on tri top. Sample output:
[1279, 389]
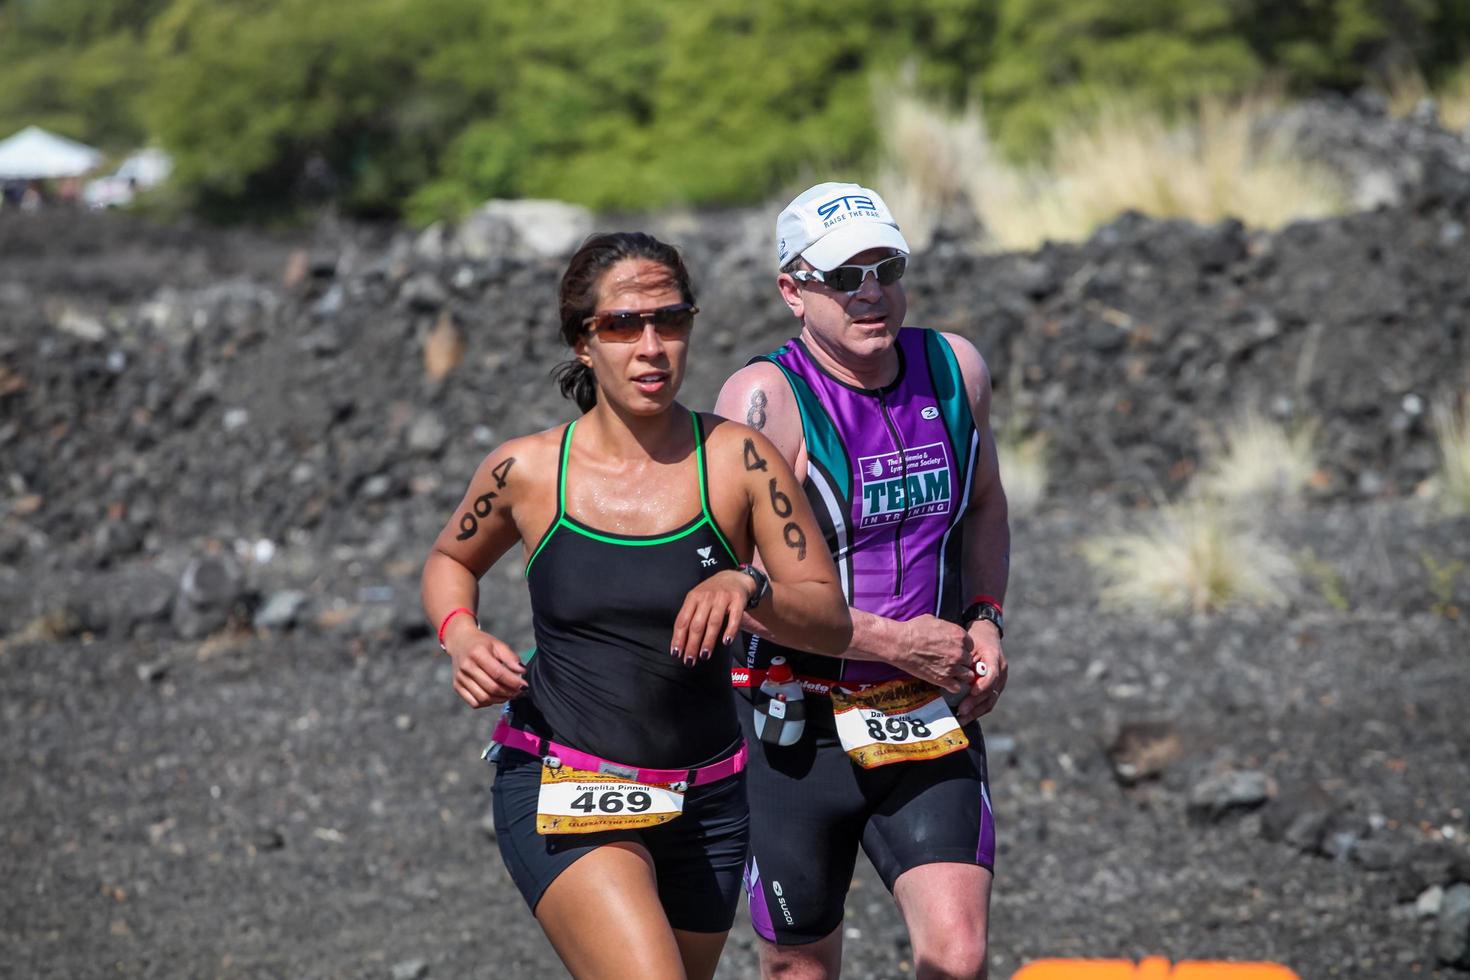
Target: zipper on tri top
[903, 469]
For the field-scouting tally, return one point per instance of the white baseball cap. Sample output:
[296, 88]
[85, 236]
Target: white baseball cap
[831, 222]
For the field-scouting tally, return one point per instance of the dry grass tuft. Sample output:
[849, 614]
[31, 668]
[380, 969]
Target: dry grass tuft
[1023, 470]
[1217, 165]
[1224, 162]
[1197, 556]
[1454, 102]
[1212, 550]
[1452, 438]
[1407, 89]
[1261, 462]
[929, 155]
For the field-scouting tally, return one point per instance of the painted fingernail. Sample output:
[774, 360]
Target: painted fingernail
[729, 640]
[688, 661]
[673, 651]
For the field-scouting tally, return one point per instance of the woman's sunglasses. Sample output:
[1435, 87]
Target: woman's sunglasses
[849, 278]
[626, 326]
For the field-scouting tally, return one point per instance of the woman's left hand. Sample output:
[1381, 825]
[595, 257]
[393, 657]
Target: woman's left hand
[711, 614]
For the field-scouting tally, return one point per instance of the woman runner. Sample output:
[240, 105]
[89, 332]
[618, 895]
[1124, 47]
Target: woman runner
[619, 797]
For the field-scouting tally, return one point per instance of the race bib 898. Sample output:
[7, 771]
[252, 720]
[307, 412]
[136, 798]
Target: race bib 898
[902, 720]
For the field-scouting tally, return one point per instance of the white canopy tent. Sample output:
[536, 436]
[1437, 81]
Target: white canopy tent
[34, 154]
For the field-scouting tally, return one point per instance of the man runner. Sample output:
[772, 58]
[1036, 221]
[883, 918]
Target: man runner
[888, 430]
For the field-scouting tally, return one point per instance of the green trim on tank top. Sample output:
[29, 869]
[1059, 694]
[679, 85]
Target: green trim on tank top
[563, 519]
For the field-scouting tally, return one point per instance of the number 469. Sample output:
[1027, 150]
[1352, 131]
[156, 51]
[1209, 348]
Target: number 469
[611, 801]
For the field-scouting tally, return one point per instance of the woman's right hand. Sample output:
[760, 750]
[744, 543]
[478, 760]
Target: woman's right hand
[710, 615]
[486, 671]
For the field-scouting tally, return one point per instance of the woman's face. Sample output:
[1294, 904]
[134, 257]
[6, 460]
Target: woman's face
[644, 376]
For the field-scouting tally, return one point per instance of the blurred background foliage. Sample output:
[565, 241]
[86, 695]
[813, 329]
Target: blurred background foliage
[422, 108]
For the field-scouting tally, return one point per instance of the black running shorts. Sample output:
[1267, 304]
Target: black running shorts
[811, 807]
[697, 857]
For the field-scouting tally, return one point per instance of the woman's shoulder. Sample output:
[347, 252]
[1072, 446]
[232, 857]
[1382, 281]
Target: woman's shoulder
[732, 444]
[720, 432]
[532, 457]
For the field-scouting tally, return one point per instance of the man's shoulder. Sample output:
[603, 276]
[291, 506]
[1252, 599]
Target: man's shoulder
[756, 384]
[758, 371]
[961, 346]
[760, 396]
[967, 357]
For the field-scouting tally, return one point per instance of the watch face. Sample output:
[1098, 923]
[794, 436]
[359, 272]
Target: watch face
[983, 610]
[762, 585]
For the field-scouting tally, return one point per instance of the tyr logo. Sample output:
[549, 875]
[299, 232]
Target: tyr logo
[848, 202]
[705, 561]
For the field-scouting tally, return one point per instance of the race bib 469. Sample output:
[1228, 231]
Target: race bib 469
[575, 801]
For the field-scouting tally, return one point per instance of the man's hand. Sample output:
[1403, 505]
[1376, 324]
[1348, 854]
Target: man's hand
[936, 651]
[989, 672]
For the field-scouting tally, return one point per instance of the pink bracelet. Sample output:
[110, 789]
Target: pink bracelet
[445, 622]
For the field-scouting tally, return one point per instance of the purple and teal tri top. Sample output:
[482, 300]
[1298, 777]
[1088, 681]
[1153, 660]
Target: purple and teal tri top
[888, 475]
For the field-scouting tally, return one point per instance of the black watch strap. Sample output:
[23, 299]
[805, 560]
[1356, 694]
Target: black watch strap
[762, 585]
[983, 610]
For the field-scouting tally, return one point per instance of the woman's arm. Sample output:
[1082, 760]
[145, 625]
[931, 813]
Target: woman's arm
[804, 606]
[482, 529]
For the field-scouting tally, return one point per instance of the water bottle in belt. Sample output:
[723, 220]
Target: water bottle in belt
[780, 711]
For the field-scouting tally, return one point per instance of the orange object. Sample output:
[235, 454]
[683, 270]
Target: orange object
[1152, 968]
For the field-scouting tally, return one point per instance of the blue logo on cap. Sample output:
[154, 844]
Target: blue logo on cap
[851, 202]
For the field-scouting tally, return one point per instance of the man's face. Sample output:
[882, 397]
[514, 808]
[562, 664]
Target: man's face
[860, 324]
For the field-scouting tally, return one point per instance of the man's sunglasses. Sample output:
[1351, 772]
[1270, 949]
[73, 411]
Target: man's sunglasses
[626, 326]
[849, 278]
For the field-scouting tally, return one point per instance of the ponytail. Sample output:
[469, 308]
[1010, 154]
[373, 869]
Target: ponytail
[577, 382]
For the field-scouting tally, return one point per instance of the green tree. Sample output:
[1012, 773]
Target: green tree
[254, 98]
[1058, 57]
[662, 103]
[75, 66]
[433, 105]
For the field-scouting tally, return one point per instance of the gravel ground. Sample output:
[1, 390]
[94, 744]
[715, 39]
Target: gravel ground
[314, 806]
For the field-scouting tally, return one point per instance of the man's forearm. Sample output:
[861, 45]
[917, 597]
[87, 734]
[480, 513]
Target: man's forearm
[930, 649]
[874, 637]
[987, 561]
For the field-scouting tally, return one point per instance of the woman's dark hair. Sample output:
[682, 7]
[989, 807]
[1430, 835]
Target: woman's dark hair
[581, 284]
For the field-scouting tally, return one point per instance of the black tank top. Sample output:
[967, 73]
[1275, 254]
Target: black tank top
[604, 606]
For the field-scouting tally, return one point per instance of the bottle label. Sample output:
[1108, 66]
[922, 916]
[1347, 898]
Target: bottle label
[576, 801]
[902, 720]
[779, 720]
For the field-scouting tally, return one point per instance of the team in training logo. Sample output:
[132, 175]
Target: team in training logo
[916, 484]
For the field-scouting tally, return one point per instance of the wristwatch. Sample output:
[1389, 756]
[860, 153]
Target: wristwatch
[762, 585]
[983, 609]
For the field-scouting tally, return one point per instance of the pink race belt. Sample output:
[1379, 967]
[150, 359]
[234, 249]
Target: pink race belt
[519, 738]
